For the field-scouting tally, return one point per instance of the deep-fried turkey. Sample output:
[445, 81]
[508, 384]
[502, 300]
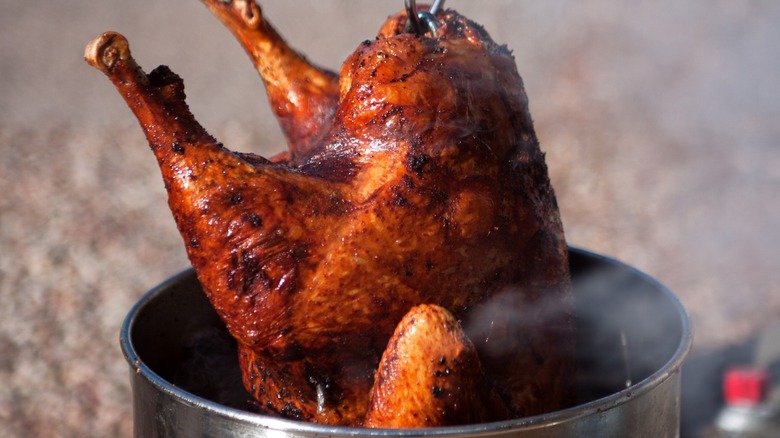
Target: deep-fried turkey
[414, 178]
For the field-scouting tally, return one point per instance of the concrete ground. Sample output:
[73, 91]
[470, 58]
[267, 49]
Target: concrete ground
[659, 119]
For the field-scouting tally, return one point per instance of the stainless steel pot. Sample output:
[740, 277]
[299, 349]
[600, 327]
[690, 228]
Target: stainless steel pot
[633, 335]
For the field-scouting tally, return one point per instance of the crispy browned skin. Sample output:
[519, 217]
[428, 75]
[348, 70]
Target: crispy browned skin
[426, 185]
[430, 375]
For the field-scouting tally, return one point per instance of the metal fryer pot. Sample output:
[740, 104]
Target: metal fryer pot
[633, 335]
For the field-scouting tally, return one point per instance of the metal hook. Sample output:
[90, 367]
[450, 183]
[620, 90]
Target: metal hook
[412, 19]
[422, 22]
[437, 4]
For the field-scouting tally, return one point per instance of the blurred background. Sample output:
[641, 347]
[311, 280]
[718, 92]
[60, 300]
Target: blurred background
[659, 119]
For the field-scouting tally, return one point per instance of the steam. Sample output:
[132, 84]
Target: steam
[625, 324]
[624, 348]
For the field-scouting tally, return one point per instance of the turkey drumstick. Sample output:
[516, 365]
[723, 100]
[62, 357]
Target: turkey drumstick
[302, 96]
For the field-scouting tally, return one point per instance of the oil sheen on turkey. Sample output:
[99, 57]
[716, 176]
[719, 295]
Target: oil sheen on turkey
[404, 263]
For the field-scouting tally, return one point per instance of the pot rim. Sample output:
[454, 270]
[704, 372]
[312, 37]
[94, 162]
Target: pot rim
[671, 367]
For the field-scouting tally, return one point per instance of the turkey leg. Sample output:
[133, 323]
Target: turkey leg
[303, 96]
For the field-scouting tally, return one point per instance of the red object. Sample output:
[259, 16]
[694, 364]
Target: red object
[745, 386]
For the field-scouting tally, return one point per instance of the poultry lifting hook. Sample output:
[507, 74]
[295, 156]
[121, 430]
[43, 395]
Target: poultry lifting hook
[422, 22]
